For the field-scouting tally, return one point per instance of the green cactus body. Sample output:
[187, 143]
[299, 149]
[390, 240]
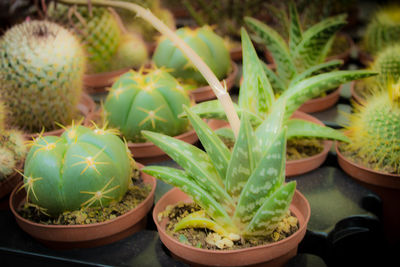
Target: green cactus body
[208, 45]
[374, 132]
[81, 168]
[41, 74]
[132, 52]
[151, 101]
[387, 63]
[99, 33]
[383, 30]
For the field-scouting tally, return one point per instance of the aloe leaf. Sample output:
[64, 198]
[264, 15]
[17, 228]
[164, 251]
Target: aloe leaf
[256, 94]
[272, 211]
[226, 135]
[302, 128]
[276, 82]
[183, 181]
[265, 179]
[195, 162]
[243, 159]
[216, 149]
[315, 38]
[276, 45]
[295, 33]
[317, 69]
[311, 87]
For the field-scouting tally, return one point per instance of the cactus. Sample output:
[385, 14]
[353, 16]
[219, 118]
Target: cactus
[83, 167]
[387, 63]
[208, 45]
[383, 30]
[146, 101]
[132, 52]
[374, 131]
[41, 75]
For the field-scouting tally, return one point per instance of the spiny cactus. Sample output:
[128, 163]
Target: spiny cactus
[383, 30]
[208, 45]
[132, 52]
[374, 130]
[387, 63]
[81, 168]
[146, 100]
[41, 75]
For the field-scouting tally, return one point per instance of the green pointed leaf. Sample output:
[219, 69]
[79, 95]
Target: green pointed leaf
[315, 38]
[276, 45]
[317, 69]
[226, 135]
[314, 86]
[272, 211]
[216, 149]
[243, 160]
[195, 162]
[265, 179]
[277, 84]
[255, 93]
[302, 128]
[183, 181]
[295, 33]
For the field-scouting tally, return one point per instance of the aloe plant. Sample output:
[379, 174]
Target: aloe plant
[257, 100]
[304, 49]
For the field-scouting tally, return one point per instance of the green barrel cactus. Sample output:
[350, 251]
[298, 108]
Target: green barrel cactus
[132, 52]
[387, 63]
[208, 45]
[83, 167]
[382, 30]
[41, 75]
[146, 101]
[374, 130]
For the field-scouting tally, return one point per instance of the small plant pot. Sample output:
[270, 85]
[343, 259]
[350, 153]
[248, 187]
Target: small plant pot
[89, 235]
[301, 166]
[236, 53]
[274, 254]
[386, 185]
[98, 82]
[355, 93]
[321, 103]
[206, 93]
[7, 185]
[86, 108]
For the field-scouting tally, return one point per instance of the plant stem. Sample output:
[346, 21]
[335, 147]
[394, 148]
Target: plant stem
[212, 80]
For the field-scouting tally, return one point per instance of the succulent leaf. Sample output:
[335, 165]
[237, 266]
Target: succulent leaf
[317, 69]
[302, 128]
[276, 82]
[295, 33]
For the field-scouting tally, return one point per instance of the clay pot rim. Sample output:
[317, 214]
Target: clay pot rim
[153, 183]
[150, 144]
[322, 99]
[228, 252]
[230, 78]
[103, 79]
[340, 155]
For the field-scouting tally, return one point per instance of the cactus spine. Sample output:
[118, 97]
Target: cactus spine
[146, 101]
[387, 63]
[83, 167]
[41, 74]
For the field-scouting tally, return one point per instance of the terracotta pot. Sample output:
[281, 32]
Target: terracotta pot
[300, 166]
[275, 254]
[386, 185]
[86, 107]
[206, 93]
[321, 103]
[7, 185]
[236, 53]
[90, 235]
[98, 82]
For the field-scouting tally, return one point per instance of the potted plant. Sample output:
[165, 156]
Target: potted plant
[210, 47]
[111, 50]
[82, 189]
[303, 54]
[148, 99]
[372, 155]
[41, 77]
[258, 104]
[382, 31]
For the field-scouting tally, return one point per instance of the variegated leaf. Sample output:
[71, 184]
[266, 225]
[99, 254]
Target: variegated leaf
[277, 84]
[226, 135]
[256, 93]
[276, 45]
[295, 33]
[311, 87]
[243, 160]
[272, 211]
[264, 181]
[216, 149]
[183, 181]
[195, 162]
[302, 128]
[315, 38]
[317, 69]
